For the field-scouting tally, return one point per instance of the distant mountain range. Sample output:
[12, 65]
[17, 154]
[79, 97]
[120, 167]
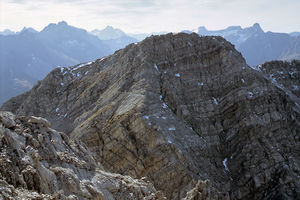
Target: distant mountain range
[258, 46]
[28, 55]
[113, 37]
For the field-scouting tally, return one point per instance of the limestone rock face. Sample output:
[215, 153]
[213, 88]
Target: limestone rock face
[178, 109]
[205, 191]
[284, 74]
[37, 162]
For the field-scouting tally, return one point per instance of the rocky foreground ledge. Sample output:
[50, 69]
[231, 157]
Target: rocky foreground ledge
[184, 111]
[37, 162]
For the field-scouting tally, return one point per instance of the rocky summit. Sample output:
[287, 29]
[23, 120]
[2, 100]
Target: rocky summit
[174, 117]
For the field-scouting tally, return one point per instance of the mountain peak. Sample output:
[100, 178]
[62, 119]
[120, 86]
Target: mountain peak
[29, 29]
[62, 23]
[202, 28]
[163, 105]
[7, 32]
[61, 28]
[108, 27]
[53, 26]
[257, 27]
[108, 33]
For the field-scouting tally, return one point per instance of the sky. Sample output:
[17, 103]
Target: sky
[145, 16]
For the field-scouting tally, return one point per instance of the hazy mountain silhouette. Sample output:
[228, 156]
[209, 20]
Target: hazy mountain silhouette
[29, 55]
[256, 45]
[108, 33]
[295, 34]
[114, 37]
[7, 32]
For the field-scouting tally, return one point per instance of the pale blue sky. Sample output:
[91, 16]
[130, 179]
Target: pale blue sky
[137, 16]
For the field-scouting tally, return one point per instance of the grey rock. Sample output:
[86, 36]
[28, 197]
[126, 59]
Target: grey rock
[58, 169]
[7, 119]
[177, 109]
[39, 120]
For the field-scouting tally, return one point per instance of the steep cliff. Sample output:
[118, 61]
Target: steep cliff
[179, 110]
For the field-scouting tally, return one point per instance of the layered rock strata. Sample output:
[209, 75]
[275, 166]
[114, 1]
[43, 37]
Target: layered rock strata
[178, 109]
[37, 162]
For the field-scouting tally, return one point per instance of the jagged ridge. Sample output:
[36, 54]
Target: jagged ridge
[178, 109]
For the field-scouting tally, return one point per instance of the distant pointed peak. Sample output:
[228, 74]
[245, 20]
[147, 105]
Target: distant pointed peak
[109, 27]
[23, 29]
[202, 30]
[64, 23]
[108, 33]
[257, 27]
[29, 29]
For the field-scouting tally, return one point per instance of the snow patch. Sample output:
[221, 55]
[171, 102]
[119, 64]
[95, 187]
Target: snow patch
[164, 105]
[146, 117]
[215, 101]
[295, 87]
[257, 68]
[103, 58]
[81, 65]
[57, 109]
[280, 72]
[177, 75]
[292, 72]
[163, 117]
[169, 141]
[172, 129]
[62, 84]
[225, 164]
[250, 94]
[243, 81]
[156, 68]
[61, 69]
[200, 84]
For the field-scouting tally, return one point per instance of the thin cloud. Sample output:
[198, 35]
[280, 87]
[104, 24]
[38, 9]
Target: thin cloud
[152, 15]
